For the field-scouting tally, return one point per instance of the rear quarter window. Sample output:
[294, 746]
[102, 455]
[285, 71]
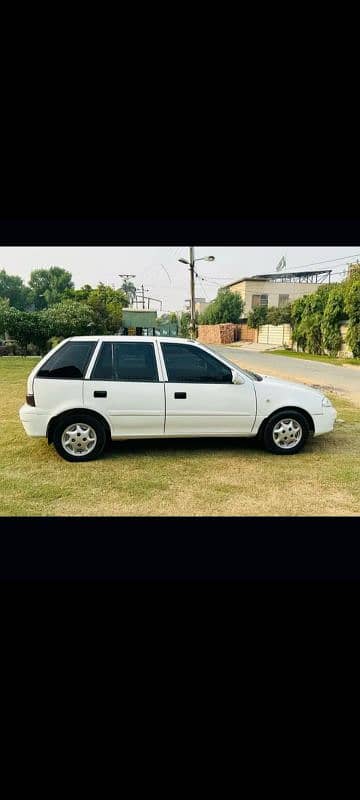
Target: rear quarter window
[70, 361]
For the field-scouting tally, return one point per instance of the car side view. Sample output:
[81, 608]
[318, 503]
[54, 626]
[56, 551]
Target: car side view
[93, 389]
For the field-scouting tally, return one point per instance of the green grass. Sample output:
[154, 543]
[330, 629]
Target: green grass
[309, 357]
[212, 477]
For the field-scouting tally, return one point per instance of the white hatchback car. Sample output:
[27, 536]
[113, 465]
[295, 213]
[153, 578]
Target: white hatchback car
[90, 389]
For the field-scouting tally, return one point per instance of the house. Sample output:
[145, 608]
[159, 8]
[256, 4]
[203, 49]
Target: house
[277, 289]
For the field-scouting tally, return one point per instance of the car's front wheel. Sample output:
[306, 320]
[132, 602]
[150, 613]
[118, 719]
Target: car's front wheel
[285, 433]
[79, 437]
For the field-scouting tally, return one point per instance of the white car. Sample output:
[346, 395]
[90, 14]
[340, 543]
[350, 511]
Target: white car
[91, 389]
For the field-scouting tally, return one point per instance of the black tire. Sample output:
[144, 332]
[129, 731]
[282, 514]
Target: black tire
[293, 437]
[81, 421]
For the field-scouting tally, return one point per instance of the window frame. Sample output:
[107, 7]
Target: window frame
[203, 350]
[62, 346]
[93, 364]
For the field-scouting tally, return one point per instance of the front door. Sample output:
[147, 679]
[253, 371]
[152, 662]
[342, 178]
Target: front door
[124, 386]
[201, 399]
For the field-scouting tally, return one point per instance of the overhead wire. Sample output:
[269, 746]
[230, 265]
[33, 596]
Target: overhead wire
[327, 261]
[201, 277]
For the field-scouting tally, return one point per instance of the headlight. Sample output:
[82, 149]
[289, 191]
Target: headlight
[326, 402]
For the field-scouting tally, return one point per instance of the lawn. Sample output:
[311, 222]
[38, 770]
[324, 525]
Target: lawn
[174, 477]
[340, 362]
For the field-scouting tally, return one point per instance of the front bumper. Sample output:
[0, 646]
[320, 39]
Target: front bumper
[324, 423]
[35, 424]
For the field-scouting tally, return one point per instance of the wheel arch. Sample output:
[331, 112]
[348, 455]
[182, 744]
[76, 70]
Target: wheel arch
[69, 412]
[288, 409]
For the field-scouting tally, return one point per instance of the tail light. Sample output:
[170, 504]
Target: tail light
[30, 400]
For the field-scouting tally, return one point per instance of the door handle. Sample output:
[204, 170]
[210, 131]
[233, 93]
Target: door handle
[100, 394]
[180, 395]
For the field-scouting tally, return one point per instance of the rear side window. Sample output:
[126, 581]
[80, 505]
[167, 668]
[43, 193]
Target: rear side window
[126, 361]
[70, 361]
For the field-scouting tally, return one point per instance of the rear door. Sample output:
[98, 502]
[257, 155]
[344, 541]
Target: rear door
[201, 399]
[124, 386]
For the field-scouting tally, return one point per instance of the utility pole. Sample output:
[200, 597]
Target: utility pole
[191, 264]
[143, 296]
[192, 292]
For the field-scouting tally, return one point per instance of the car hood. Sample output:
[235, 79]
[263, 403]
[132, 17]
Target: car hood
[274, 393]
[271, 381]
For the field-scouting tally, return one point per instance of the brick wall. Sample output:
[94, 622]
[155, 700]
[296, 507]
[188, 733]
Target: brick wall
[217, 334]
[226, 333]
[244, 334]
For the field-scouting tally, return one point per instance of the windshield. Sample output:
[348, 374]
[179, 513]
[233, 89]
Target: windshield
[252, 375]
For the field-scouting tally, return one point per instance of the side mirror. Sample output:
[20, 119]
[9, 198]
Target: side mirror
[236, 377]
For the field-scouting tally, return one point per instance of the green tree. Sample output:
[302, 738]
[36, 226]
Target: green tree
[50, 286]
[69, 318]
[171, 318]
[81, 295]
[12, 288]
[27, 327]
[184, 324]
[106, 305]
[227, 307]
[257, 317]
[334, 313]
[279, 316]
[20, 325]
[42, 331]
[129, 289]
[352, 308]
[163, 319]
[353, 271]
[297, 311]
[4, 307]
[307, 316]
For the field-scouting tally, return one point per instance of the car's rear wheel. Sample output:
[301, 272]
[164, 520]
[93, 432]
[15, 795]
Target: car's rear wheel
[285, 433]
[79, 437]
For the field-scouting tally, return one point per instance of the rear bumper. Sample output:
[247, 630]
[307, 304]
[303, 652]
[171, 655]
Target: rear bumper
[35, 424]
[324, 423]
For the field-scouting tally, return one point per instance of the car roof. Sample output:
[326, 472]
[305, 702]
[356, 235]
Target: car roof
[119, 338]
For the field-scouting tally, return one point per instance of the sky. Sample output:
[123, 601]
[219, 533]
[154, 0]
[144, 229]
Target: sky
[159, 270]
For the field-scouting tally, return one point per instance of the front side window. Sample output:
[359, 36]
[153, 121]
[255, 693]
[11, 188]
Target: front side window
[186, 363]
[70, 361]
[125, 361]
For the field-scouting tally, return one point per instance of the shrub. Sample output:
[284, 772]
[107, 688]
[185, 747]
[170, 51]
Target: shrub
[333, 315]
[257, 317]
[306, 317]
[352, 308]
[227, 307]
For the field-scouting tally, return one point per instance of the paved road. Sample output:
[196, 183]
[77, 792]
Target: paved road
[344, 380]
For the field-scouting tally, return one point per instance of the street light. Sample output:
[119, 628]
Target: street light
[191, 264]
[206, 258]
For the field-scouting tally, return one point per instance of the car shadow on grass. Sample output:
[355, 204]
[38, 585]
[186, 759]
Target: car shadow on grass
[201, 446]
[173, 447]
